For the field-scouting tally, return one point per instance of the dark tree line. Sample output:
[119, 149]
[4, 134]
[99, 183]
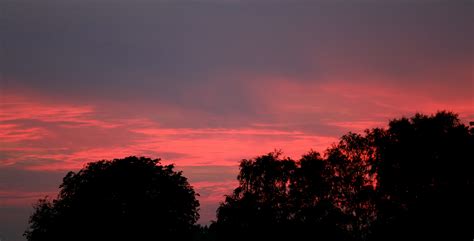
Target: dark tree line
[411, 181]
[320, 198]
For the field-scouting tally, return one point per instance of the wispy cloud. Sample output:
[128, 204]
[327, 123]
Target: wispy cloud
[82, 134]
[15, 108]
[15, 133]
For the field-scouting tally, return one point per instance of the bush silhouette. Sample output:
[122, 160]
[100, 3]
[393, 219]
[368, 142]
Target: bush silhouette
[124, 199]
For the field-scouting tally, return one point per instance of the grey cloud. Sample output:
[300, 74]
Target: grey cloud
[13, 222]
[174, 52]
[18, 179]
[210, 173]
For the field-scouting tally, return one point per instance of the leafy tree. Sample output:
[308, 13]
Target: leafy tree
[280, 199]
[352, 180]
[316, 209]
[259, 204]
[203, 233]
[124, 199]
[413, 180]
[425, 179]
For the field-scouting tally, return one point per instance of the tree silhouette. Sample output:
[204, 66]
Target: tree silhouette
[280, 199]
[425, 179]
[317, 211]
[124, 199]
[414, 180]
[259, 204]
[411, 181]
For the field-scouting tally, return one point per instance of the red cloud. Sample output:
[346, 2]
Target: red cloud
[10, 133]
[39, 135]
[82, 134]
[16, 108]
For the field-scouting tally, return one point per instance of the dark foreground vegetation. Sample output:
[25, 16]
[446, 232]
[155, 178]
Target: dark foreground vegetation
[411, 181]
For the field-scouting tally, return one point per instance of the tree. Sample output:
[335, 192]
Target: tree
[280, 199]
[413, 180]
[316, 208]
[124, 199]
[259, 204]
[352, 183]
[425, 179]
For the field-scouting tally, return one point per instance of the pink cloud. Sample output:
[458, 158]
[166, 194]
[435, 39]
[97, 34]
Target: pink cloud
[213, 192]
[87, 136]
[210, 195]
[213, 131]
[357, 126]
[362, 102]
[21, 108]
[392, 101]
[14, 133]
[295, 116]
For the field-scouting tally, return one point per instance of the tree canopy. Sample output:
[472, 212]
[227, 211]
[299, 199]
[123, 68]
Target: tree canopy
[124, 199]
[425, 178]
[412, 180]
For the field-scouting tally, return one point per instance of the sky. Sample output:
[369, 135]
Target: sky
[205, 83]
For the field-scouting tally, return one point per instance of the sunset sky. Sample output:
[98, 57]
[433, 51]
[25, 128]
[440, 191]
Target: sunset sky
[205, 83]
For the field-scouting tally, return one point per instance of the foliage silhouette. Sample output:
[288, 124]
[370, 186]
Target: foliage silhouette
[124, 199]
[281, 199]
[413, 180]
[259, 204]
[425, 179]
